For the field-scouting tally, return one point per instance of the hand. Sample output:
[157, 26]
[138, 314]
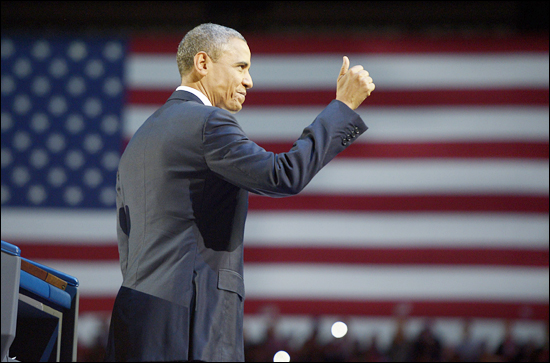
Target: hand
[353, 85]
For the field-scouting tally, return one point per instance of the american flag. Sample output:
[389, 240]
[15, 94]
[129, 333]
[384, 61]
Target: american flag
[439, 210]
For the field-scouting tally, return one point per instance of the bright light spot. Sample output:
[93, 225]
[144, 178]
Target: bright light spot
[339, 329]
[281, 356]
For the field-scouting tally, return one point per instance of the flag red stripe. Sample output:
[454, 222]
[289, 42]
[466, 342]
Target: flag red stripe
[404, 203]
[463, 309]
[397, 256]
[69, 251]
[274, 44]
[410, 150]
[471, 97]
[407, 150]
[255, 254]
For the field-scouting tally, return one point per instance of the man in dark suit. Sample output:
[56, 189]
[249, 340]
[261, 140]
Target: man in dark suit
[182, 198]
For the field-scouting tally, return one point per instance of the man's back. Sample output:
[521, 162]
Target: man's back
[168, 197]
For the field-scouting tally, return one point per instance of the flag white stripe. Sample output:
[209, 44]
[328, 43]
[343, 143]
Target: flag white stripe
[397, 229]
[390, 72]
[409, 124]
[417, 176]
[379, 282]
[59, 225]
[361, 282]
[343, 229]
[151, 71]
[397, 124]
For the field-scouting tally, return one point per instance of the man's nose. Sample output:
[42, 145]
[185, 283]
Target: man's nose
[247, 81]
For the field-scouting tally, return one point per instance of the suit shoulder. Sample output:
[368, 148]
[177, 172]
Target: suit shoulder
[219, 114]
[181, 111]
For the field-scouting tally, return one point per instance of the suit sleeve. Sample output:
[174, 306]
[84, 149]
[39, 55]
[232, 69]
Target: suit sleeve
[230, 154]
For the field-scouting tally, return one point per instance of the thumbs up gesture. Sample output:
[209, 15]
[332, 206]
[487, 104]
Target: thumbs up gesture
[354, 85]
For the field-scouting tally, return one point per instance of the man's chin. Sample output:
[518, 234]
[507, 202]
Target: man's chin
[234, 108]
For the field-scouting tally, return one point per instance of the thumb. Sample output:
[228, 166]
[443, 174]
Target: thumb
[345, 66]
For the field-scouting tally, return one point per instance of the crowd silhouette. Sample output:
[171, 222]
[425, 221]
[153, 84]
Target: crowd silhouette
[426, 346]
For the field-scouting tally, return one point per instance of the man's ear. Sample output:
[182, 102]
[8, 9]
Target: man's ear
[201, 62]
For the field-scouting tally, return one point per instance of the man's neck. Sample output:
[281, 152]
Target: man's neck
[196, 91]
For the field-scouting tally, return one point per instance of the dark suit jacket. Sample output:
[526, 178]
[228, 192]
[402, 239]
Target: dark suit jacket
[182, 198]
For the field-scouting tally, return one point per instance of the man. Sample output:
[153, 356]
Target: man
[182, 198]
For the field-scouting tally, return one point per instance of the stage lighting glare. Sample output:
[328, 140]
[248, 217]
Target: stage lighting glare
[339, 329]
[281, 356]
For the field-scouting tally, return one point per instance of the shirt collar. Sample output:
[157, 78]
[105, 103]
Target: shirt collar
[197, 93]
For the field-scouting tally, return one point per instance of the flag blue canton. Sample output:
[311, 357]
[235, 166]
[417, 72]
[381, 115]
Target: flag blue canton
[62, 101]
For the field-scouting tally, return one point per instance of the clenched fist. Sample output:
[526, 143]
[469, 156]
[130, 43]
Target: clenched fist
[353, 85]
